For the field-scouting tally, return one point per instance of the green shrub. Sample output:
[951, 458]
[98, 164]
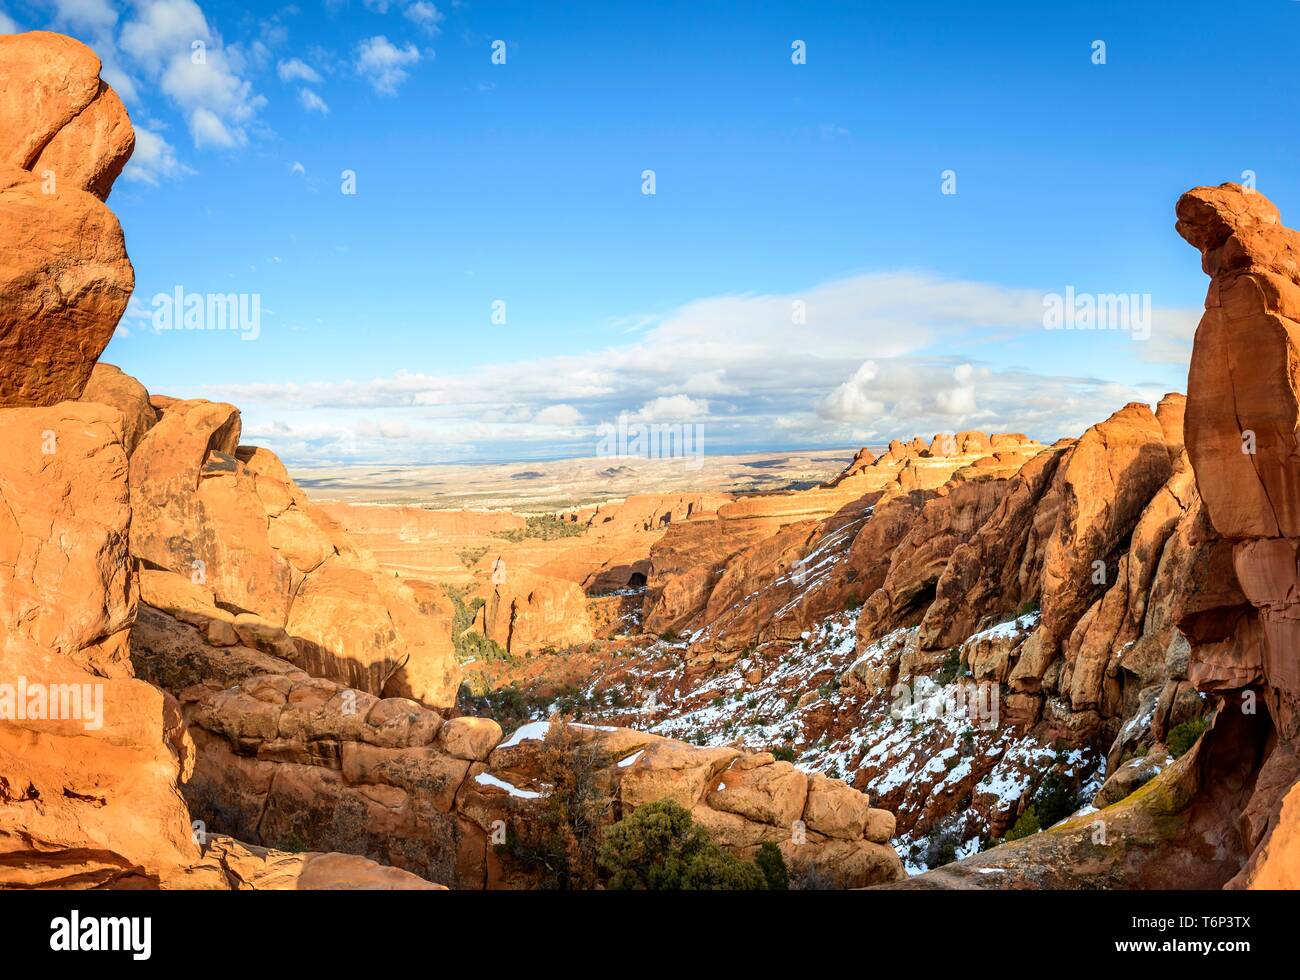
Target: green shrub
[1026, 825]
[562, 841]
[1183, 737]
[1054, 800]
[950, 669]
[808, 877]
[508, 706]
[783, 753]
[772, 863]
[659, 847]
[941, 847]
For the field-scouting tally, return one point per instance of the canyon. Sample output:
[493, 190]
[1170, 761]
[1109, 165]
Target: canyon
[969, 660]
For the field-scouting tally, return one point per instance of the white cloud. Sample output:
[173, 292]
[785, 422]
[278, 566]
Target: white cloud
[881, 355]
[208, 130]
[852, 399]
[426, 15]
[173, 44]
[904, 387]
[959, 399]
[297, 168]
[86, 15]
[297, 70]
[712, 382]
[162, 30]
[672, 408]
[7, 24]
[383, 64]
[558, 415]
[154, 158]
[312, 102]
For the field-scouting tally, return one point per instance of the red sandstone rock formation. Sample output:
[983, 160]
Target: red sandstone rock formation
[231, 520]
[282, 757]
[91, 758]
[57, 117]
[1241, 425]
[64, 275]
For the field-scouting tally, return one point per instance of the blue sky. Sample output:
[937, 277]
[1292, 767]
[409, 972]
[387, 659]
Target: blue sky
[776, 184]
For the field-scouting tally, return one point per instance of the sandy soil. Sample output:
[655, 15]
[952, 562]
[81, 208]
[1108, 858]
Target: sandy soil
[539, 487]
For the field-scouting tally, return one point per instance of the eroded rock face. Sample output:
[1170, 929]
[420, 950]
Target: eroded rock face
[231, 520]
[57, 118]
[1107, 481]
[228, 864]
[998, 567]
[65, 281]
[65, 573]
[90, 758]
[1241, 433]
[1178, 830]
[1242, 415]
[65, 278]
[526, 612]
[284, 758]
[772, 565]
[108, 385]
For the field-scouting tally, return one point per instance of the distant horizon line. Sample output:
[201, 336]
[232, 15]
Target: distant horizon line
[563, 458]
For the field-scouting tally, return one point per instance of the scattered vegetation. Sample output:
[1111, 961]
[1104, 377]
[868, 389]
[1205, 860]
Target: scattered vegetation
[545, 527]
[771, 862]
[1026, 825]
[807, 877]
[509, 706]
[660, 848]
[1055, 799]
[1183, 737]
[564, 840]
[950, 669]
[470, 644]
[469, 557]
[940, 847]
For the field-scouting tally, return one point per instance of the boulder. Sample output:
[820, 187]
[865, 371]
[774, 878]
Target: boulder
[65, 574]
[772, 793]
[835, 809]
[109, 386]
[65, 281]
[527, 611]
[57, 117]
[469, 738]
